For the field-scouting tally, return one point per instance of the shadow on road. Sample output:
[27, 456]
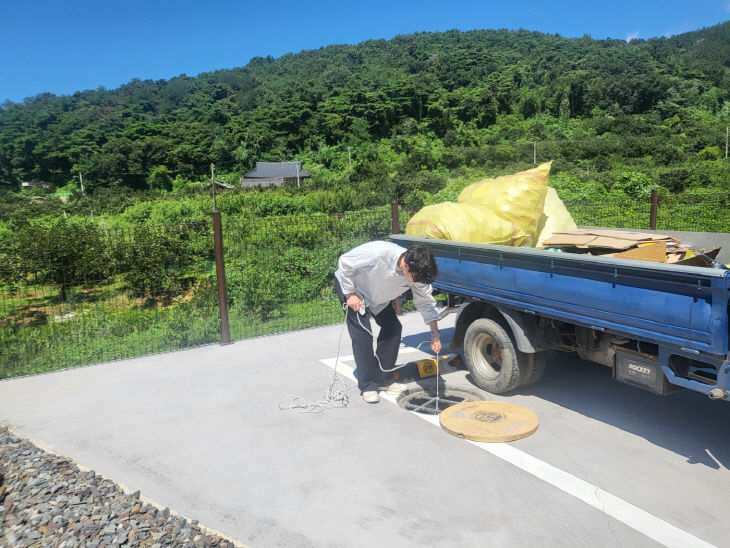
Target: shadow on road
[685, 422]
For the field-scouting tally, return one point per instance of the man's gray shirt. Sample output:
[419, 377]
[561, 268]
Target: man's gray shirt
[371, 272]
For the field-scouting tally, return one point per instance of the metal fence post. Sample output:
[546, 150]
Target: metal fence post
[394, 216]
[654, 205]
[220, 273]
[396, 230]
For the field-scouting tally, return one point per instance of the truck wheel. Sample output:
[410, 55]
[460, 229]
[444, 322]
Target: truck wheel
[491, 357]
[533, 368]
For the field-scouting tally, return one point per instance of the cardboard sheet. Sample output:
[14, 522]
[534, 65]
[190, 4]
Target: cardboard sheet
[620, 244]
[588, 240]
[622, 234]
[655, 252]
[608, 239]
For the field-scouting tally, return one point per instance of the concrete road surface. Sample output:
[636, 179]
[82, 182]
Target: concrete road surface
[201, 431]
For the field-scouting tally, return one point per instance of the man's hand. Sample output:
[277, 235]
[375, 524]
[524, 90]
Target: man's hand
[354, 302]
[435, 343]
[435, 337]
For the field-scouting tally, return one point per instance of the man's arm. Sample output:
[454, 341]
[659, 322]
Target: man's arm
[426, 305]
[348, 265]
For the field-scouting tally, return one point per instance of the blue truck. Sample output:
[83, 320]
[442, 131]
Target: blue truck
[660, 327]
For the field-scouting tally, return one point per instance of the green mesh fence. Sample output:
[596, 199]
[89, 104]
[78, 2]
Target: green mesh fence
[695, 214]
[280, 270]
[74, 296]
[82, 296]
[706, 213]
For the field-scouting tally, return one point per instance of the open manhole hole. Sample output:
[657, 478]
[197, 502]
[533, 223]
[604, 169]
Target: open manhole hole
[427, 402]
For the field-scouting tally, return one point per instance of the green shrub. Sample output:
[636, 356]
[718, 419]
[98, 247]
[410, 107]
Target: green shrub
[709, 153]
[155, 261]
[634, 184]
[160, 179]
[570, 187]
[61, 251]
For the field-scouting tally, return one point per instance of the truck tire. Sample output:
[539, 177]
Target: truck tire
[491, 357]
[533, 368]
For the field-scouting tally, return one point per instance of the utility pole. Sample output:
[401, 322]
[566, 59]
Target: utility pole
[81, 179]
[534, 153]
[297, 174]
[349, 157]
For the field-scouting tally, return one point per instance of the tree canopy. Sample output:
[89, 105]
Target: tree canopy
[417, 103]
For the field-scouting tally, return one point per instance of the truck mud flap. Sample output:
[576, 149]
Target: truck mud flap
[642, 372]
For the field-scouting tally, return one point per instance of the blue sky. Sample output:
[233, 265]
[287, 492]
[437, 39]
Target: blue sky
[62, 47]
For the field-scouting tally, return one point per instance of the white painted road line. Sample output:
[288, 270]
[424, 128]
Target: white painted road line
[347, 369]
[638, 519]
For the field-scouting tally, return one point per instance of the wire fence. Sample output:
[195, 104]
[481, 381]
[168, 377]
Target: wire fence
[704, 213]
[709, 213]
[280, 270]
[73, 296]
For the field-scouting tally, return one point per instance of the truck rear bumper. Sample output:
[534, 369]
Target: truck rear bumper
[719, 390]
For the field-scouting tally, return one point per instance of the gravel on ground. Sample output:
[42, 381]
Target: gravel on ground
[46, 500]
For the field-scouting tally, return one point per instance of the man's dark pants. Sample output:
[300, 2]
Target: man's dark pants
[368, 372]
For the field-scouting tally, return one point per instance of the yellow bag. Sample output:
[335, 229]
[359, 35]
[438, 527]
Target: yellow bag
[461, 223]
[555, 217]
[518, 199]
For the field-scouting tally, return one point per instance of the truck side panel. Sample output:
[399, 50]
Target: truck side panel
[682, 307]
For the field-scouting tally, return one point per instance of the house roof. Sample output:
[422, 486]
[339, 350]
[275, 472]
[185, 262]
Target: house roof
[274, 170]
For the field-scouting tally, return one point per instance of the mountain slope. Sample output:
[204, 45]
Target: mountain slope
[445, 90]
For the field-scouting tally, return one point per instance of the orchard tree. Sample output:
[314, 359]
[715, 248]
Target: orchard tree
[63, 252]
[160, 179]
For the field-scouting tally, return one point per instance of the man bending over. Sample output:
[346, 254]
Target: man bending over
[368, 278]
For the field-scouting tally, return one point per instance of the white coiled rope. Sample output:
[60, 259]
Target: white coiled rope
[336, 394]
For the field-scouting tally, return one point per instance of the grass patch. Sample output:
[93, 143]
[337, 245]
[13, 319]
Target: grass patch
[102, 334]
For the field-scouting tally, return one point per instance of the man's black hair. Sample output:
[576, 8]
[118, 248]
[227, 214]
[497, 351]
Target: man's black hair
[421, 263]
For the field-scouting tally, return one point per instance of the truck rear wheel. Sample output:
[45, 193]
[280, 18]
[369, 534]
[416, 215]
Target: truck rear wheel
[491, 357]
[533, 367]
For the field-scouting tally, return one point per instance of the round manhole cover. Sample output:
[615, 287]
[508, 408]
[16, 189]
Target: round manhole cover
[428, 402]
[489, 421]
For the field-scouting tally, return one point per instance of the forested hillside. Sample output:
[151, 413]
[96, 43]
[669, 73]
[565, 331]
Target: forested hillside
[408, 110]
